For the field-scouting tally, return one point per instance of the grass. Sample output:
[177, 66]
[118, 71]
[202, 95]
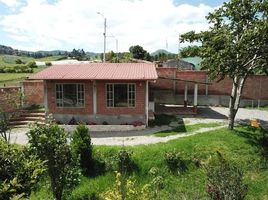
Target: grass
[186, 129]
[11, 59]
[14, 79]
[265, 108]
[51, 58]
[240, 146]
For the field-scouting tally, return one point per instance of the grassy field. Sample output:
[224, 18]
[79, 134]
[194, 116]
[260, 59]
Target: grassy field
[11, 59]
[241, 147]
[14, 79]
[186, 129]
[50, 58]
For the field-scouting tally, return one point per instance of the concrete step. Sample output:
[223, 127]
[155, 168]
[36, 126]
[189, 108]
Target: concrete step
[33, 114]
[28, 119]
[13, 123]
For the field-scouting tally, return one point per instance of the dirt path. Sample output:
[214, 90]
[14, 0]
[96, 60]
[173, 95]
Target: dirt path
[207, 115]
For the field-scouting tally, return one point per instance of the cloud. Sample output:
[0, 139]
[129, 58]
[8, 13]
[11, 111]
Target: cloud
[11, 3]
[67, 24]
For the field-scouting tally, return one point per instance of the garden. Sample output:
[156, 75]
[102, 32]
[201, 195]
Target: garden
[219, 164]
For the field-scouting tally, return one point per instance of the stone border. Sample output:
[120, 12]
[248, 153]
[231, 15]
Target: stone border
[106, 128]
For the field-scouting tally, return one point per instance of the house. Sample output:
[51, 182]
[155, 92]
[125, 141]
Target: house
[98, 92]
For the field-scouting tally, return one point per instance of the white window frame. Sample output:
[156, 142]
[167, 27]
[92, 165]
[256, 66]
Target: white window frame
[78, 93]
[129, 99]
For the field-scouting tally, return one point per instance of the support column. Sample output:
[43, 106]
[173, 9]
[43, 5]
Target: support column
[195, 97]
[94, 98]
[207, 85]
[147, 102]
[185, 95]
[45, 97]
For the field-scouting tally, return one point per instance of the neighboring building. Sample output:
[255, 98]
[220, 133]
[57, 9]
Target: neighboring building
[98, 92]
[180, 64]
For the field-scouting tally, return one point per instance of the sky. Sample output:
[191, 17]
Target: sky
[66, 24]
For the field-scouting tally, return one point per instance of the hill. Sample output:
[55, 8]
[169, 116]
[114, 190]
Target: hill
[160, 51]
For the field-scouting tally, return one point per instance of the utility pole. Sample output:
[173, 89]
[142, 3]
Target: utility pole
[104, 36]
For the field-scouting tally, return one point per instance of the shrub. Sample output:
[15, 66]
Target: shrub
[19, 171]
[48, 63]
[49, 142]
[105, 123]
[72, 121]
[81, 145]
[175, 163]
[91, 123]
[225, 180]
[31, 64]
[124, 161]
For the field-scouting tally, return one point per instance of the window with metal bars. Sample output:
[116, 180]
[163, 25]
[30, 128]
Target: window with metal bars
[70, 95]
[120, 95]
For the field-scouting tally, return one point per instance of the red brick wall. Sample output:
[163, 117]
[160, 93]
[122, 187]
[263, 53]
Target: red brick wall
[255, 86]
[140, 100]
[51, 99]
[10, 98]
[34, 92]
[101, 99]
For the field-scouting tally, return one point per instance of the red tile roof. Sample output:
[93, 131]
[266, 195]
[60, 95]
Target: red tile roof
[98, 71]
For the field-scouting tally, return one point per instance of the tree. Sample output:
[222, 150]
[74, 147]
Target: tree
[49, 143]
[138, 52]
[190, 51]
[81, 145]
[235, 45]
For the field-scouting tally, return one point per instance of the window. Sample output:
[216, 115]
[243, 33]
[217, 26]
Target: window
[70, 95]
[121, 95]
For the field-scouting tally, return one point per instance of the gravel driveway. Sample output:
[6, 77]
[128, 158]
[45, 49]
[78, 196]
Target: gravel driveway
[206, 115]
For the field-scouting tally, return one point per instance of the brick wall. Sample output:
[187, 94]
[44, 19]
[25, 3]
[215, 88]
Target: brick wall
[255, 86]
[34, 92]
[102, 109]
[10, 98]
[51, 99]
[140, 100]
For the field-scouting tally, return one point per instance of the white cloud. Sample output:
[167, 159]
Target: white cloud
[10, 3]
[67, 24]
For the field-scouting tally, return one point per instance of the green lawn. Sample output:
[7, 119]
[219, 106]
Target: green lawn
[11, 59]
[185, 128]
[14, 79]
[240, 146]
[51, 58]
[258, 108]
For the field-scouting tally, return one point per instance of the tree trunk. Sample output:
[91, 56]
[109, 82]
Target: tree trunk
[238, 84]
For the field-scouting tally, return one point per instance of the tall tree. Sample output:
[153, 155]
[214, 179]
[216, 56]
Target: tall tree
[138, 52]
[235, 46]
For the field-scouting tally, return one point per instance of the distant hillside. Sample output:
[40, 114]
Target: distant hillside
[160, 51]
[37, 54]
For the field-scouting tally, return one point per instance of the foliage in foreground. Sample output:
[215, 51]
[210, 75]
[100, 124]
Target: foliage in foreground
[49, 143]
[81, 146]
[225, 181]
[19, 171]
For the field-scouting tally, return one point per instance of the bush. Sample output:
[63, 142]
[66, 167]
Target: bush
[49, 142]
[72, 121]
[48, 64]
[19, 171]
[31, 64]
[124, 162]
[225, 180]
[81, 145]
[175, 163]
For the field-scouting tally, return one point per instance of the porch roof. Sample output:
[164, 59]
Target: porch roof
[98, 71]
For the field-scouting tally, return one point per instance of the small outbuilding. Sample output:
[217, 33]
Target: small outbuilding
[115, 93]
